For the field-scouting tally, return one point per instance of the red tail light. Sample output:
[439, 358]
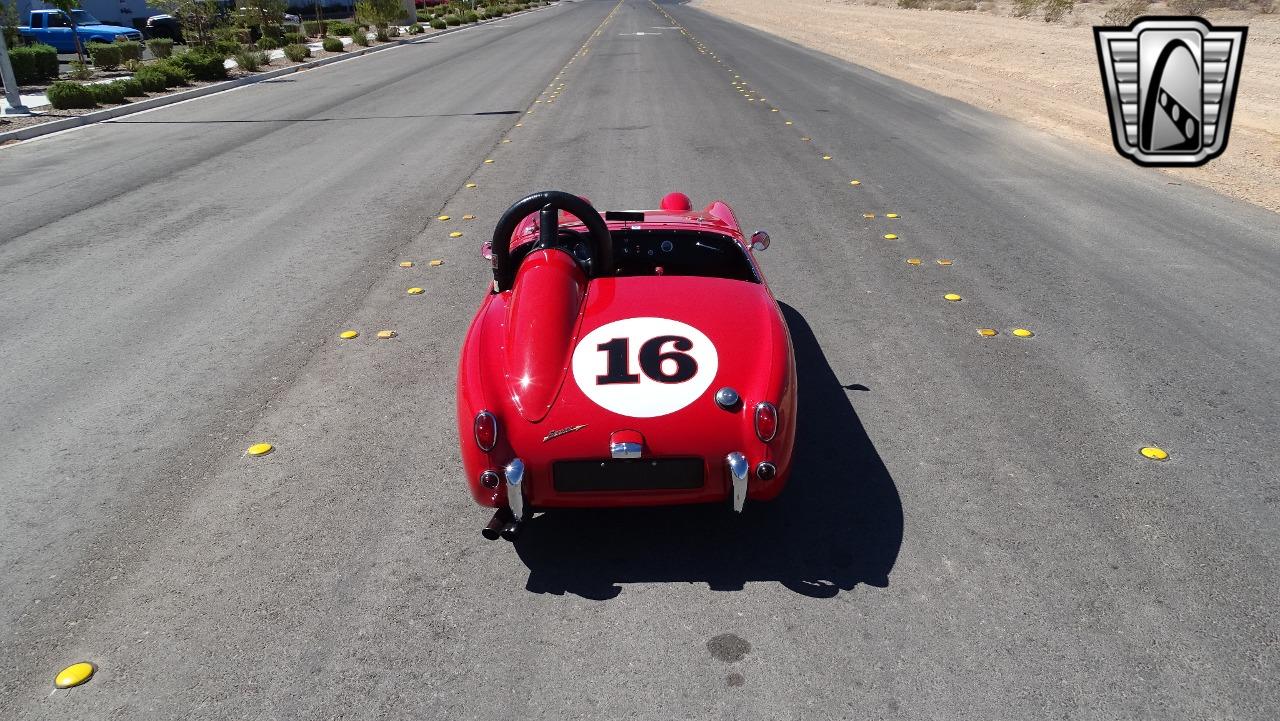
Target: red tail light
[766, 421]
[486, 430]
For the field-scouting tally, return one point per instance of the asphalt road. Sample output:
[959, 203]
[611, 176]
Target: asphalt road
[970, 531]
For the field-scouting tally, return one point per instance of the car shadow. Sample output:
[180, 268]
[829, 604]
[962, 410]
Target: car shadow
[839, 522]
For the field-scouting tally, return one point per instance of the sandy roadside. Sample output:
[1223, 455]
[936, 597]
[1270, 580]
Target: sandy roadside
[1043, 74]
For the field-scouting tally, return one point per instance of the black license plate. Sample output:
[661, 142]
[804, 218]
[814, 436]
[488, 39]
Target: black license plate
[629, 474]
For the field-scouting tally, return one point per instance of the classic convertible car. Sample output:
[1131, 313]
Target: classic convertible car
[634, 359]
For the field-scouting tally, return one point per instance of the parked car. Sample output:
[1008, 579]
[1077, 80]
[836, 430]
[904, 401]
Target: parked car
[164, 26]
[53, 27]
[630, 360]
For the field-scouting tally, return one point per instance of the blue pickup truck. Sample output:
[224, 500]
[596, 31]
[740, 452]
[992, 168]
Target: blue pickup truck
[53, 27]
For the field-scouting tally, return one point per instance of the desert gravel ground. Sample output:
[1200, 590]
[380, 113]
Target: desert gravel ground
[1043, 74]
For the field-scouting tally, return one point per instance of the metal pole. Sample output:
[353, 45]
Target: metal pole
[10, 82]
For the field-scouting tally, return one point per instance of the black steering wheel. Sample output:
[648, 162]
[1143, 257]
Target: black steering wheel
[548, 204]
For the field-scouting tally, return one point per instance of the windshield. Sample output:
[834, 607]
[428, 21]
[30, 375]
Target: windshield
[84, 18]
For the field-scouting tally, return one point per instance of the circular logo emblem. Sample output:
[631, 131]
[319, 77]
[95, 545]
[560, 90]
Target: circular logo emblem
[644, 367]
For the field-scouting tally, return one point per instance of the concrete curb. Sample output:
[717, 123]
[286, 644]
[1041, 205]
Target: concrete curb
[98, 116]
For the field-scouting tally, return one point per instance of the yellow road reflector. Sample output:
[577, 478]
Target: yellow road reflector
[944, 261]
[488, 161]
[913, 261]
[1022, 333]
[787, 123]
[855, 182]
[890, 236]
[1155, 454]
[890, 215]
[773, 110]
[506, 140]
[437, 263]
[442, 217]
[826, 157]
[414, 291]
[260, 449]
[986, 332]
[468, 216]
[951, 297]
[406, 264]
[74, 675]
[470, 185]
[348, 334]
[456, 234]
[385, 334]
[805, 138]
[519, 125]
[868, 216]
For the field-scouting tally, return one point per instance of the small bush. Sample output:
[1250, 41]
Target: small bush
[314, 28]
[424, 16]
[1125, 12]
[452, 20]
[1023, 8]
[104, 55]
[107, 93]
[133, 66]
[203, 65]
[1189, 7]
[332, 45]
[130, 87]
[129, 50]
[1055, 10]
[152, 80]
[341, 29]
[64, 95]
[160, 47]
[297, 52]
[438, 24]
[174, 73]
[250, 60]
[392, 31]
[294, 38]
[267, 43]
[80, 71]
[415, 29]
[34, 63]
[470, 17]
[360, 37]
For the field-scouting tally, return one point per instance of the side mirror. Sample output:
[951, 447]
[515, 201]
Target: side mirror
[759, 240]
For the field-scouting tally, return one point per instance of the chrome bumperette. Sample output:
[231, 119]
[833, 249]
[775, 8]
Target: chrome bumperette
[625, 450]
[727, 398]
[738, 470]
[514, 473]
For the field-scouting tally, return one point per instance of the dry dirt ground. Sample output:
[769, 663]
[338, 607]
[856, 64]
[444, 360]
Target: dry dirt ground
[1043, 74]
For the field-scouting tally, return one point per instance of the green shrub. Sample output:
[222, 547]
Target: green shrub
[415, 29]
[294, 38]
[332, 45]
[1189, 7]
[360, 37]
[1023, 8]
[34, 63]
[160, 47]
[152, 80]
[226, 47]
[267, 43]
[107, 93]
[174, 73]
[64, 95]
[340, 29]
[314, 28]
[424, 16]
[381, 35]
[437, 23]
[129, 50]
[130, 87]
[80, 71]
[203, 65]
[452, 20]
[1125, 12]
[275, 32]
[250, 60]
[297, 52]
[470, 17]
[1055, 10]
[104, 55]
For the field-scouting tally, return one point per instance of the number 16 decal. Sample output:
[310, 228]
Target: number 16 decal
[651, 360]
[644, 367]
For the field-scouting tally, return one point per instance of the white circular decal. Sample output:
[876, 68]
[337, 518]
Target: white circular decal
[644, 367]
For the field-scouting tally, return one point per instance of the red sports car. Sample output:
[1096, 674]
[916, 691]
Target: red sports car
[634, 359]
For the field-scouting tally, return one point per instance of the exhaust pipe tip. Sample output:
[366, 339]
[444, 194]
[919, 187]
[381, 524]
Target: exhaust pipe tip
[493, 529]
[511, 531]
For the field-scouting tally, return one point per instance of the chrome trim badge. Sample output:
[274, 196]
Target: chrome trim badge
[1171, 86]
[563, 431]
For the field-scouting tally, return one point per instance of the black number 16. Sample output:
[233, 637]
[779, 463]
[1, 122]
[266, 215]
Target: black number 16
[651, 360]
